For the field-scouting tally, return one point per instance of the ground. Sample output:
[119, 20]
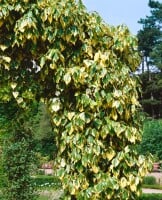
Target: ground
[151, 191]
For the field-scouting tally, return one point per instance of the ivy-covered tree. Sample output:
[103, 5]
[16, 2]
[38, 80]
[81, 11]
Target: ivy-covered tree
[57, 52]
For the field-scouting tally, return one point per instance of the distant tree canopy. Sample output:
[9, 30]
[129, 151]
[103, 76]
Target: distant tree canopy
[82, 69]
[152, 137]
[43, 135]
[150, 45]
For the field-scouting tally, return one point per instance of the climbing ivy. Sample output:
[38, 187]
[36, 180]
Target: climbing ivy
[82, 68]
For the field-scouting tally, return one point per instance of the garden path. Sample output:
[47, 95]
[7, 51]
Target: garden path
[150, 191]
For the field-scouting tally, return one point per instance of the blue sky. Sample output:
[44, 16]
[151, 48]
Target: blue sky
[116, 12]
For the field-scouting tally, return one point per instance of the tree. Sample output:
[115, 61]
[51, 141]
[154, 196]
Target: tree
[82, 69]
[151, 94]
[156, 55]
[41, 127]
[157, 50]
[150, 45]
[152, 137]
[149, 36]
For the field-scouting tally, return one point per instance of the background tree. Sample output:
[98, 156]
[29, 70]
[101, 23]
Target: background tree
[150, 46]
[82, 69]
[152, 137]
[43, 135]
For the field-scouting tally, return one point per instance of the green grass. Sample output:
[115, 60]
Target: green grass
[44, 182]
[42, 198]
[159, 187]
[150, 197]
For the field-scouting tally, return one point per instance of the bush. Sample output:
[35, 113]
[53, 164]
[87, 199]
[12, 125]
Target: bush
[41, 172]
[151, 197]
[18, 160]
[149, 180]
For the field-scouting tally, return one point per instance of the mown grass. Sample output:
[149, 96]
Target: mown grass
[42, 198]
[150, 197]
[158, 187]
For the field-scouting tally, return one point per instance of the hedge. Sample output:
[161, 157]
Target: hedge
[149, 180]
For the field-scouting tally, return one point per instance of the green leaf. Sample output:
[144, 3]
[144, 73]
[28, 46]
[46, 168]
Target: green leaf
[6, 58]
[67, 78]
[15, 94]
[42, 61]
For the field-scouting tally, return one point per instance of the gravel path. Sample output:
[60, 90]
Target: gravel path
[57, 194]
[52, 195]
[149, 191]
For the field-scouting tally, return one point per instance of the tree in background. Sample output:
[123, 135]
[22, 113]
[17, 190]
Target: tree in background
[156, 53]
[43, 135]
[152, 137]
[82, 69]
[150, 44]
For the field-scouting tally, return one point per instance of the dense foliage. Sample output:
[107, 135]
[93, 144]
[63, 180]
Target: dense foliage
[152, 137]
[18, 161]
[82, 69]
[43, 136]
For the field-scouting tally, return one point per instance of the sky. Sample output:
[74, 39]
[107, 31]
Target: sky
[117, 12]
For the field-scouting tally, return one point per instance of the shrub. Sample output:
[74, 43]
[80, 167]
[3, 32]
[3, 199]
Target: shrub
[18, 159]
[149, 180]
[41, 172]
